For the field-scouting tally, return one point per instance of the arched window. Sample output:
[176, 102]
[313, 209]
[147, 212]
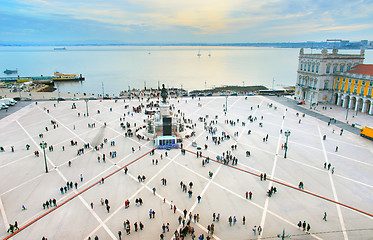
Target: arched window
[301, 66]
[326, 85]
[317, 68]
[328, 69]
[341, 68]
[313, 68]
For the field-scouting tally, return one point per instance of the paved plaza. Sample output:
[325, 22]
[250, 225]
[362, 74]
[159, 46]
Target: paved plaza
[344, 192]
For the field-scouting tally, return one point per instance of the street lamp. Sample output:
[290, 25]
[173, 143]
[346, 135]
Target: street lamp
[86, 105]
[287, 134]
[226, 103]
[43, 145]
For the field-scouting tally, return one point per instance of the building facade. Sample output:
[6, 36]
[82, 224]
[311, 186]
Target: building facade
[353, 89]
[336, 78]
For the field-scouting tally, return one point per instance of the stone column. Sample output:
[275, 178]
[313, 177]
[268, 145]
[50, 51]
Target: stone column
[345, 103]
[350, 103]
[364, 109]
[339, 100]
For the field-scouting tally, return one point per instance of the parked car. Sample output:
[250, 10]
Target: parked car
[3, 105]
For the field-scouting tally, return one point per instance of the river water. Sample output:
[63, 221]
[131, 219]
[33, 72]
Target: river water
[111, 69]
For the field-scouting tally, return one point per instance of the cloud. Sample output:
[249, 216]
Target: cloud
[214, 18]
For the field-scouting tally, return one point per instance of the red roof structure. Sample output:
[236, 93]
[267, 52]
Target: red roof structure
[366, 69]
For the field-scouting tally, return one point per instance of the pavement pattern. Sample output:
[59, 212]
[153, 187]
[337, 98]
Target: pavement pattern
[345, 194]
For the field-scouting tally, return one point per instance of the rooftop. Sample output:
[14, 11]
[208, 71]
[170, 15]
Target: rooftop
[365, 69]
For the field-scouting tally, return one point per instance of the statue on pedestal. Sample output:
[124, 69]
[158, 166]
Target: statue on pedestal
[164, 94]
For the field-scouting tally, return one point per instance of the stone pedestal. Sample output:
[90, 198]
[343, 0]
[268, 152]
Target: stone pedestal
[164, 109]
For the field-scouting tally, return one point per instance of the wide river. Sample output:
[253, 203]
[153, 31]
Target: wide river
[111, 69]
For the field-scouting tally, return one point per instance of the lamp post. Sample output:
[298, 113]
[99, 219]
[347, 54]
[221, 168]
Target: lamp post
[43, 145]
[86, 105]
[226, 103]
[287, 134]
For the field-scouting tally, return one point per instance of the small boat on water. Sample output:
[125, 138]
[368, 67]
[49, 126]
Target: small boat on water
[59, 48]
[66, 77]
[7, 71]
[209, 53]
[199, 53]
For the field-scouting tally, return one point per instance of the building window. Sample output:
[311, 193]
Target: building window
[369, 93]
[334, 69]
[313, 68]
[342, 68]
[348, 67]
[326, 83]
[328, 69]
[301, 67]
[317, 68]
[309, 67]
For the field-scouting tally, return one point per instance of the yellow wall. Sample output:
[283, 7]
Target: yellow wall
[352, 86]
[335, 82]
[358, 87]
[366, 88]
[346, 85]
[340, 84]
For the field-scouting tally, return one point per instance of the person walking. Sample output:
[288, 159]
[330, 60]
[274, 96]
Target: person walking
[260, 230]
[230, 220]
[324, 218]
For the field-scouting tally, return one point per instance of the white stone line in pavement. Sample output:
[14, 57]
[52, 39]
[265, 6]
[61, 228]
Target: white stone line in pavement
[262, 222]
[201, 194]
[241, 197]
[333, 153]
[116, 211]
[20, 185]
[247, 125]
[65, 180]
[20, 159]
[322, 170]
[3, 215]
[144, 185]
[334, 190]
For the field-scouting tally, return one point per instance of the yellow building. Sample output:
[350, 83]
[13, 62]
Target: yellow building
[353, 89]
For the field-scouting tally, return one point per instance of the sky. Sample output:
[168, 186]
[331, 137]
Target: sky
[184, 21]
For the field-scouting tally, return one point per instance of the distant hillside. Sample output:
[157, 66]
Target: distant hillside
[232, 89]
